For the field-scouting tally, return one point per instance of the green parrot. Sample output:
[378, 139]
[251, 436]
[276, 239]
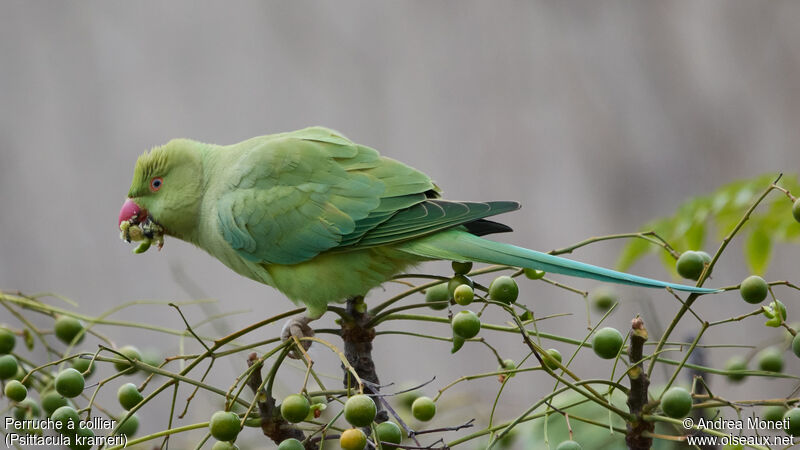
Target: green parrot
[321, 218]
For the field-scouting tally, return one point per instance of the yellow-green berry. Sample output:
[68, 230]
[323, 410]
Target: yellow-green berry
[504, 289]
[423, 409]
[754, 289]
[676, 402]
[690, 265]
[129, 396]
[353, 439]
[295, 408]
[360, 410]
[463, 295]
[552, 358]
[438, 294]
[224, 425]
[534, 274]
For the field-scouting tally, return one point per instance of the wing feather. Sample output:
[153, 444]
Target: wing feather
[295, 195]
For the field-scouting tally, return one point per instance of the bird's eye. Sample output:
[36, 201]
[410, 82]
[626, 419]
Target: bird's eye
[155, 184]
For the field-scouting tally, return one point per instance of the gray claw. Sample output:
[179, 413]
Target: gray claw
[299, 328]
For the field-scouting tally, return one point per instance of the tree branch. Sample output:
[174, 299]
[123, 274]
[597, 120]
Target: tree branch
[639, 430]
[357, 335]
[272, 423]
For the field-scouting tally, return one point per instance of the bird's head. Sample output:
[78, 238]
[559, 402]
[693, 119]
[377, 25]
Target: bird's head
[167, 188]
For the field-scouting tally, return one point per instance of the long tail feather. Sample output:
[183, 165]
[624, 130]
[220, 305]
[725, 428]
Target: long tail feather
[462, 246]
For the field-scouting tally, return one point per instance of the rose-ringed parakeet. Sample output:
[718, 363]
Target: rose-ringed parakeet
[319, 217]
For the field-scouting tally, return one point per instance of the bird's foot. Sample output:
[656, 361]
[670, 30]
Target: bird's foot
[297, 329]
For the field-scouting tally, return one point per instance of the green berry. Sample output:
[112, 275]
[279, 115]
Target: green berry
[85, 435]
[438, 293]
[794, 421]
[7, 341]
[504, 289]
[796, 210]
[389, 432]
[295, 408]
[8, 367]
[796, 345]
[353, 439]
[223, 445]
[773, 413]
[552, 358]
[66, 328]
[132, 353]
[83, 365]
[16, 391]
[291, 444]
[129, 396]
[466, 324]
[603, 298]
[734, 366]
[534, 274]
[607, 343]
[27, 409]
[754, 289]
[70, 383]
[457, 281]
[51, 401]
[770, 360]
[690, 265]
[463, 295]
[360, 410]
[676, 402]
[569, 445]
[224, 425]
[63, 416]
[462, 268]
[508, 364]
[423, 409]
[130, 426]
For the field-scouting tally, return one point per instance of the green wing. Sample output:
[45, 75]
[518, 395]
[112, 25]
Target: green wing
[434, 215]
[296, 195]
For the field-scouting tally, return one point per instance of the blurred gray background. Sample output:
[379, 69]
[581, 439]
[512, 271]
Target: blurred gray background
[597, 116]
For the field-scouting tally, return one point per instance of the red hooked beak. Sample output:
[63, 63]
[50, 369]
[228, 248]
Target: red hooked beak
[131, 212]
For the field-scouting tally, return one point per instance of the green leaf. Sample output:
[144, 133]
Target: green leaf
[695, 235]
[757, 250]
[632, 252]
[721, 211]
